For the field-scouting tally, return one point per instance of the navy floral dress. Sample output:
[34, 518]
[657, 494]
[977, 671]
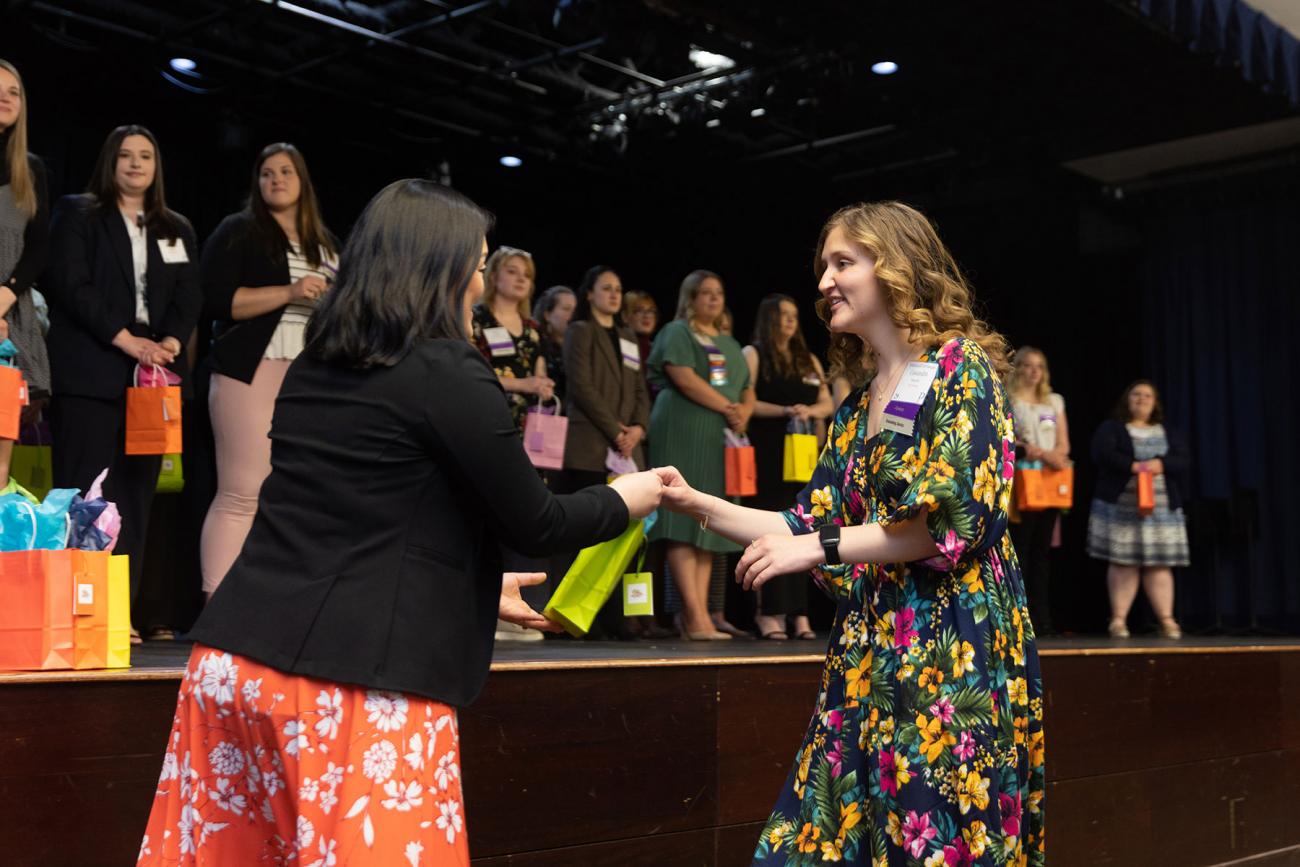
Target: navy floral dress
[926, 745]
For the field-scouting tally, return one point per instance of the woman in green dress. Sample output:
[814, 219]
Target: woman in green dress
[705, 391]
[926, 745]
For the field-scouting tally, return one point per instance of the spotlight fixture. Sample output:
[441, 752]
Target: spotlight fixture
[708, 59]
[884, 67]
[758, 112]
[713, 122]
[182, 64]
[511, 162]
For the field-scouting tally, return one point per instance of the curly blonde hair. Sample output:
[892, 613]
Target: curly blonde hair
[922, 286]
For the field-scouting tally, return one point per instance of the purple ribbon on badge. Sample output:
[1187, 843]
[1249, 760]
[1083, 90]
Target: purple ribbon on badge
[902, 410]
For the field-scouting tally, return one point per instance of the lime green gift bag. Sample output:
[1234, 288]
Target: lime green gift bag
[592, 579]
[171, 475]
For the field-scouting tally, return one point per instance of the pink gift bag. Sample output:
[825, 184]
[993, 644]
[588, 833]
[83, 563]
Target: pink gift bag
[544, 433]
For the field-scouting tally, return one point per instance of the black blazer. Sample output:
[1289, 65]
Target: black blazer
[375, 556]
[235, 255]
[1112, 451]
[90, 285]
[603, 393]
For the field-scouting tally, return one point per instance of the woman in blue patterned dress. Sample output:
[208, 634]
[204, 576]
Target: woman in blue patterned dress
[1139, 548]
[925, 748]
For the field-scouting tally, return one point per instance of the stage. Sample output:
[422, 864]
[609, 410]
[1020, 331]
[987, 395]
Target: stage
[671, 753]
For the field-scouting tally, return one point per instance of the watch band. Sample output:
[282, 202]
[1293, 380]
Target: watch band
[829, 535]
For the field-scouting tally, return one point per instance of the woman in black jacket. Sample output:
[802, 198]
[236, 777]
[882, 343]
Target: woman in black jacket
[123, 291]
[319, 709]
[264, 269]
[1139, 548]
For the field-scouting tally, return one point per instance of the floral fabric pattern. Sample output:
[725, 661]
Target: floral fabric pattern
[926, 745]
[264, 767]
[519, 365]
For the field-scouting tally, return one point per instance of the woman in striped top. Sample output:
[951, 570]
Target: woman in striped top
[264, 269]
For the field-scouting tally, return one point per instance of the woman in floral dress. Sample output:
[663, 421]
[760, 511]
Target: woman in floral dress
[926, 745]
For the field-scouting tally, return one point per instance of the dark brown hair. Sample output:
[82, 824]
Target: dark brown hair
[1124, 414]
[402, 276]
[312, 233]
[103, 182]
[772, 364]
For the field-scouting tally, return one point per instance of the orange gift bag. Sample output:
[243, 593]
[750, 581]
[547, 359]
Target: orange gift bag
[13, 397]
[36, 619]
[153, 414]
[742, 468]
[1038, 488]
[1146, 493]
[90, 600]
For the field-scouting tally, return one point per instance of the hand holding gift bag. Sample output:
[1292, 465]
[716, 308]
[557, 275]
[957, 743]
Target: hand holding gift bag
[800, 452]
[742, 468]
[544, 435]
[1146, 493]
[153, 412]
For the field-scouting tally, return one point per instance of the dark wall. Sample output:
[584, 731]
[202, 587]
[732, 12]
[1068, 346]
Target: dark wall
[1053, 265]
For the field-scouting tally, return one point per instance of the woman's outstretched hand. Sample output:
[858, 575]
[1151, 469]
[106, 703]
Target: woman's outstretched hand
[513, 608]
[776, 554]
[678, 496]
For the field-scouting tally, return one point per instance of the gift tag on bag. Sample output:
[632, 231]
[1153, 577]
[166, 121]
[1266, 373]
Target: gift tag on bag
[638, 594]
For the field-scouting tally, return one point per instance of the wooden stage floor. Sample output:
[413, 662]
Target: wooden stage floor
[656, 754]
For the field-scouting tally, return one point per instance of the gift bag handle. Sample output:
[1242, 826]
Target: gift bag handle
[157, 369]
[554, 404]
[31, 513]
[799, 426]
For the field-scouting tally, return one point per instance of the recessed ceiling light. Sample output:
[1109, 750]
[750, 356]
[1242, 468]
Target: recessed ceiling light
[511, 162]
[709, 60]
[182, 64]
[713, 122]
[758, 112]
[884, 67]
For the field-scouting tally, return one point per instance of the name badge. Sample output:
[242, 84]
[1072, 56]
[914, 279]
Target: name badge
[903, 408]
[499, 341]
[717, 369]
[1047, 419]
[630, 352]
[173, 252]
[812, 379]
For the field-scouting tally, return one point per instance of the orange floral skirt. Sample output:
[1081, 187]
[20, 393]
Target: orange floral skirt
[264, 767]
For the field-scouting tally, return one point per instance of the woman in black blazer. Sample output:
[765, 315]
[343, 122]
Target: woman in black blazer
[263, 270]
[123, 290]
[361, 611]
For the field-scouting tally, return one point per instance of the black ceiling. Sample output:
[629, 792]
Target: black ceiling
[610, 86]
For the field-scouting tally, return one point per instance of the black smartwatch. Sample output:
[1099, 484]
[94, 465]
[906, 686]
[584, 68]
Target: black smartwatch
[830, 539]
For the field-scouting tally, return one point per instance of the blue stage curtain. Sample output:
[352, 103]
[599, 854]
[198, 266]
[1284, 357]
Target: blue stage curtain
[1236, 33]
[1220, 317]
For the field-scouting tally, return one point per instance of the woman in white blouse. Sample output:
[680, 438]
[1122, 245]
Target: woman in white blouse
[263, 270]
[1042, 436]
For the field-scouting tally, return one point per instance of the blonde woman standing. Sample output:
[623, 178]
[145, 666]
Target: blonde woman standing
[507, 335]
[1042, 436]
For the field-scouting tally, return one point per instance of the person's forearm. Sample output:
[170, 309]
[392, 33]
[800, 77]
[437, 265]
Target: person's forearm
[823, 407]
[7, 299]
[878, 543]
[514, 385]
[250, 302]
[738, 523]
[763, 409]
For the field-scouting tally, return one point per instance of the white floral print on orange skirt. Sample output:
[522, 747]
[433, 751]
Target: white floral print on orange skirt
[264, 767]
